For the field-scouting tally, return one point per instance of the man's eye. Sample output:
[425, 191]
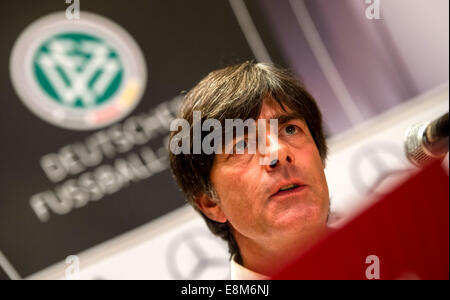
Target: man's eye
[241, 145]
[291, 129]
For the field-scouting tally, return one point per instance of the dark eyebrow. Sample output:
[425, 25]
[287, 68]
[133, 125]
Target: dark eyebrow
[284, 118]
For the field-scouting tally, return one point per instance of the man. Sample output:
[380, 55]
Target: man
[266, 212]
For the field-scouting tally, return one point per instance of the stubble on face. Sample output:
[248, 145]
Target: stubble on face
[245, 188]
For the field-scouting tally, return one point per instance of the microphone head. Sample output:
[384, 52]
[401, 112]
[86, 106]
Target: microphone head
[415, 147]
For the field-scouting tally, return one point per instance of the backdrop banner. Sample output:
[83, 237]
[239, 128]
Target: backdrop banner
[86, 110]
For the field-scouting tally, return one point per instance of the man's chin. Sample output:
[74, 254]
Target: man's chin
[300, 221]
[294, 237]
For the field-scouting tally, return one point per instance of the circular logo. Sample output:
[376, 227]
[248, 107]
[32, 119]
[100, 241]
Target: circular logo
[78, 74]
[197, 255]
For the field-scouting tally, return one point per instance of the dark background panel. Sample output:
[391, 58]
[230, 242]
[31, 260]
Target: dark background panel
[267, 33]
[3, 275]
[182, 41]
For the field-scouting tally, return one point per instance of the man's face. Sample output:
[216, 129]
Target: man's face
[249, 192]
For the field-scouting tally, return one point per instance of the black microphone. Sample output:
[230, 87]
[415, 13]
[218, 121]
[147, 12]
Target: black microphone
[426, 142]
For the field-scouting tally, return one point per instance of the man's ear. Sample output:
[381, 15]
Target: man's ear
[210, 208]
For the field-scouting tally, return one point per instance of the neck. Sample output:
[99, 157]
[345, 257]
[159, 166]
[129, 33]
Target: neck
[269, 257]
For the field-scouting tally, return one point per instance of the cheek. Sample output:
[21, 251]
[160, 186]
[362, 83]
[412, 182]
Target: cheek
[237, 192]
[311, 164]
[229, 185]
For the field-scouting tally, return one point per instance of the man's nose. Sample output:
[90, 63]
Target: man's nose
[279, 153]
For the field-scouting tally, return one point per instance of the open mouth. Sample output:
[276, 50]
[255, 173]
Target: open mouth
[288, 189]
